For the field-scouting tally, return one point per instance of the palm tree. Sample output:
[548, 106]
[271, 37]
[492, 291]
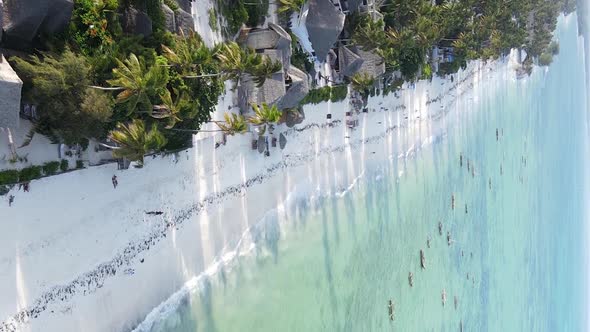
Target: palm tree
[138, 83]
[235, 61]
[265, 70]
[265, 115]
[369, 34]
[290, 5]
[170, 109]
[134, 142]
[233, 124]
[188, 53]
[362, 83]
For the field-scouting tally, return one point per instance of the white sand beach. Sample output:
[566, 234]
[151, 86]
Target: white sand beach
[77, 254]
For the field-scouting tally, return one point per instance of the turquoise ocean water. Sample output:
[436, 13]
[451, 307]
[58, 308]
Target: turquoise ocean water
[517, 259]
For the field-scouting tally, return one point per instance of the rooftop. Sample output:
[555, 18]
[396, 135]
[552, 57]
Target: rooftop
[270, 92]
[324, 23]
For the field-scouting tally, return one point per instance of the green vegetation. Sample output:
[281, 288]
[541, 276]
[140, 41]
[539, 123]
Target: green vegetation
[134, 141]
[238, 12]
[233, 124]
[59, 85]
[475, 29]
[64, 165]
[171, 4]
[286, 6]
[50, 168]
[326, 93]
[235, 61]
[257, 11]
[9, 177]
[300, 58]
[94, 26]
[362, 83]
[13, 176]
[30, 173]
[94, 81]
[264, 116]
[213, 19]
[93, 78]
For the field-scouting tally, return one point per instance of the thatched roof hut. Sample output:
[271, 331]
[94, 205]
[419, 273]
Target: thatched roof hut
[324, 24]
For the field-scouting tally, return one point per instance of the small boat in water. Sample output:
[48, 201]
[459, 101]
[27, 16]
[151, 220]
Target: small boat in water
[449, 240]
[411, 279]
[391, 307]
[440, 226]
[444, 297]
[422, 259]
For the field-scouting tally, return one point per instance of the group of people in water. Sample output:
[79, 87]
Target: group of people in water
[449, 239]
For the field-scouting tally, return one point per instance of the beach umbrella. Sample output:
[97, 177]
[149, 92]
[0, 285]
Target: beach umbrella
[282, 141]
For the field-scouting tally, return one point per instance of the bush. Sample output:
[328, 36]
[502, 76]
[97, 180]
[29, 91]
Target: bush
[64, 165]
[326, 93]
[30, 173]
[79, 164]
[545, 59]
[51, 167]
[171, 4]
[8, 176]
[235, 14]
[256, 13]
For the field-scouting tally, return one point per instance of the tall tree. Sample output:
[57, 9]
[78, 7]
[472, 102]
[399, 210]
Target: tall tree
[134, 141]
[369, 34]
[264, 70]
[362, 83]
[68, 111]
[189, 54]
[139, 84]
[234, 61]
[264, 116]
[171, 109]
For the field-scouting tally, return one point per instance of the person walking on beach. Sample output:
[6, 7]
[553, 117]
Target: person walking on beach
[26, 187]
[115, 182]
[10, 200]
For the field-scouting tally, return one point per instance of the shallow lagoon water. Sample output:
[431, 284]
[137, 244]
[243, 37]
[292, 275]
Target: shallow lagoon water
[516, 260]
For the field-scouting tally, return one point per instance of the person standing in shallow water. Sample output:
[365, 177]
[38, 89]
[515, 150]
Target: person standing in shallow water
[10, 200]
[115, 182]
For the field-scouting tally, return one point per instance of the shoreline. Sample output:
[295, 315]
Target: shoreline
[210, 193]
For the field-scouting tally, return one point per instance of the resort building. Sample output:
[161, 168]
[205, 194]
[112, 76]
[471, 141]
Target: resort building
[324, 24]
[285, 88]
[353, 60]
